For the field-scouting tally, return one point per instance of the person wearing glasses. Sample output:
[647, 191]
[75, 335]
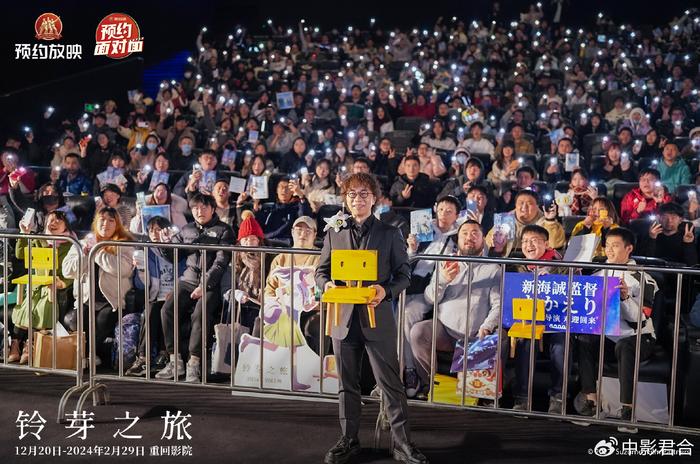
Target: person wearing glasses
[353, 335]
[536, 246]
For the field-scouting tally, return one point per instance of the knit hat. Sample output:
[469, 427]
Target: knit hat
[249, 226]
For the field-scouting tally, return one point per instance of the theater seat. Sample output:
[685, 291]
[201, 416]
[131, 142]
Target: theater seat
[620, 190]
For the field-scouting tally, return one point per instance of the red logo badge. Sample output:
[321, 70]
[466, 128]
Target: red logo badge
[118, 36]
[48, 26]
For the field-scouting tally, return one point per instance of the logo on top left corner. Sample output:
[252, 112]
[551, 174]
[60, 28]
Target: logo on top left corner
[48, 26]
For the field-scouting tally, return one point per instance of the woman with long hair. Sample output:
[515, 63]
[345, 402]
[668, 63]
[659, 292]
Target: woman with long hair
[113, 269]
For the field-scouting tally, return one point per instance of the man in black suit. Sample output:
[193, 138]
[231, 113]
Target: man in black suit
[364, 232]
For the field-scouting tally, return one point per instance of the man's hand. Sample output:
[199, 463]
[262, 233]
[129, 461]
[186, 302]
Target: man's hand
[406, 192]
[641, 206]
[329, 284]
[378, 297]
[624, 290]
[689, 235]
[655, 230]
[449, 271]
[196, 293]
[193, 183]
[412, 243]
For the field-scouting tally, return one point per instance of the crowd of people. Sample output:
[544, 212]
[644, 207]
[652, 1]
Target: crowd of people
[569, 132]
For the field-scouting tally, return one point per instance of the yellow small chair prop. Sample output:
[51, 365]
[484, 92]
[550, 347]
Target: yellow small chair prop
[522, 312]
[42, 260]
[351, 265]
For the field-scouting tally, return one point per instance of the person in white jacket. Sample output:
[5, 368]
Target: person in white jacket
[114, 268]
[619, 244]
[452, 294]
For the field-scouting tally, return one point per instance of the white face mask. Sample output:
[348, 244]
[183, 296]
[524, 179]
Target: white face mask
[340, 151]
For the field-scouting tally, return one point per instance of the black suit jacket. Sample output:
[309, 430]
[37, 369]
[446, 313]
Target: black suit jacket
[393, 273]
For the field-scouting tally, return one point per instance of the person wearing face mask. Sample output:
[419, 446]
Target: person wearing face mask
[326, 113]
[146, 155]
[47, 200]
[637, 122]
[172, 137]
[184, 158]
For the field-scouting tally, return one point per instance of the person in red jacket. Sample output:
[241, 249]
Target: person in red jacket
[420, 108]
[645, 199]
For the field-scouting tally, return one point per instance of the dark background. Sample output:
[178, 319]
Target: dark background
[169, 27]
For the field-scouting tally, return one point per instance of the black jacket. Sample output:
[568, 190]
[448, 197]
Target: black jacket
[422, 195]
[215, 232]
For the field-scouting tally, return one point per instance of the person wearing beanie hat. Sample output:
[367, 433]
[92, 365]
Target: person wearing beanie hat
[670, 237]
[250, 228]
[247, 268]
[206, 229]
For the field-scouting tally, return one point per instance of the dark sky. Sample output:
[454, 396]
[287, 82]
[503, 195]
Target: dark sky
[169, 26]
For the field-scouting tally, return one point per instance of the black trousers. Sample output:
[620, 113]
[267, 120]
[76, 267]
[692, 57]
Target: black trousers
[385, 366]
[193, 309]
[105, 322]
[624, 351]
[154, 320]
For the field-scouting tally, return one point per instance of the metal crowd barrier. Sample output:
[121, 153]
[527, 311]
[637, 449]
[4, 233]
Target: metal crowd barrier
[99, 392]
[80, 383]
[572, 267]
[99, 389]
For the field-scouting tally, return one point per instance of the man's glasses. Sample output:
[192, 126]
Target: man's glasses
[302, 230]
[362, 194]
[533, 241]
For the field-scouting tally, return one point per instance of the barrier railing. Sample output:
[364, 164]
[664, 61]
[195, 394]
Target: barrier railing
[31, 285]
[571, 267]
[99, 392]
